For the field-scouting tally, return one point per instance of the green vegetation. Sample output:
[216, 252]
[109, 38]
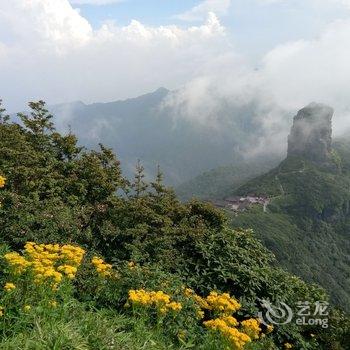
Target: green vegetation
[307, 224]
[223, 181]
[115, 264]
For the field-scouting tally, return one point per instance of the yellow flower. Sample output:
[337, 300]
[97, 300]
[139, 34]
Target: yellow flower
[215, 324]
[201, 302]
[2, 181]
[1, 311]
[174, 306]
[18, 262]
[200, 314]
[252, 327]
[188, 292]
[53, 303]
[159, 299]
[102, 268]
[48, 262]
[237, 339]
[269, 329]
[9, 287]
[288, 346]
[230, 321]
[27, 308]
[221, 303]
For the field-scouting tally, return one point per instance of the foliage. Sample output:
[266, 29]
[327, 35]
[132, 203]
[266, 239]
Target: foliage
[96, 237]
[306, 225]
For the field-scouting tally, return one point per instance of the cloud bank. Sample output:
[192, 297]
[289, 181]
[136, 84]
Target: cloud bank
[48, 50]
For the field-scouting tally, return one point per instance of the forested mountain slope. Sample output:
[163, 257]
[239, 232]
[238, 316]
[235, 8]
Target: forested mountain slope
[307, 224]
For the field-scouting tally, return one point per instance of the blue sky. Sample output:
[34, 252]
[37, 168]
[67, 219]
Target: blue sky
[255, 26]
[151, 12]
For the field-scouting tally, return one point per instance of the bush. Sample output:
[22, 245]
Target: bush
[113, 236]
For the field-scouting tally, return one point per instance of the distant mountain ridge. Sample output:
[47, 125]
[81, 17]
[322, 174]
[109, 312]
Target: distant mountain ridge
[142, 128]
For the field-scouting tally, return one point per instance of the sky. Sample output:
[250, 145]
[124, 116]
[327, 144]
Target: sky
[277, 53]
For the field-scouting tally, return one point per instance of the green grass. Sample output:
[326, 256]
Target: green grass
[72, 326]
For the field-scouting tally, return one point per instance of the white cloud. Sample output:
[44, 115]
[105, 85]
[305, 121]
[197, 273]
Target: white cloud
[289, 77]
[300, 72]
[49, 51]
[197, 13]
[39, 24]
[94, 2]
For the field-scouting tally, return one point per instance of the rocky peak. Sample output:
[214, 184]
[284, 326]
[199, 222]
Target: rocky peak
[311, 133]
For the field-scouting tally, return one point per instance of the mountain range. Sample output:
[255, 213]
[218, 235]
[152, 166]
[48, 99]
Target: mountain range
[157, 133]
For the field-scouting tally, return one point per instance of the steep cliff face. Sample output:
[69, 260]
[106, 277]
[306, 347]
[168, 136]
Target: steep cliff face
[311, 134]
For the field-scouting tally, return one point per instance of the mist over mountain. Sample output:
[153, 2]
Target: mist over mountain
[152, 129]
[307, 220]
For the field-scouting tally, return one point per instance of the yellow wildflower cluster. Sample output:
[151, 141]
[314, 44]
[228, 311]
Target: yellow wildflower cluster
[288, 346]
[1, 311]
[227, 326]
[221, 303]
[102, 268]
[223, 306]
[230, 321]
[48, 262]
[2, 181]
[17, 262]
[252, 328]
[236, 338]
[159, 299]
[9, 287]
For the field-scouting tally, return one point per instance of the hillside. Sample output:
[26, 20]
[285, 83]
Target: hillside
[90, 260]
[148, 129]
[307, 225]
[223, 181]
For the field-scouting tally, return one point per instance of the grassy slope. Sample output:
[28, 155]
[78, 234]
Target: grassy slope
[73, 325]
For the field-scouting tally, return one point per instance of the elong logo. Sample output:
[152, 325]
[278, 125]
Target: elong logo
[308, 314]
